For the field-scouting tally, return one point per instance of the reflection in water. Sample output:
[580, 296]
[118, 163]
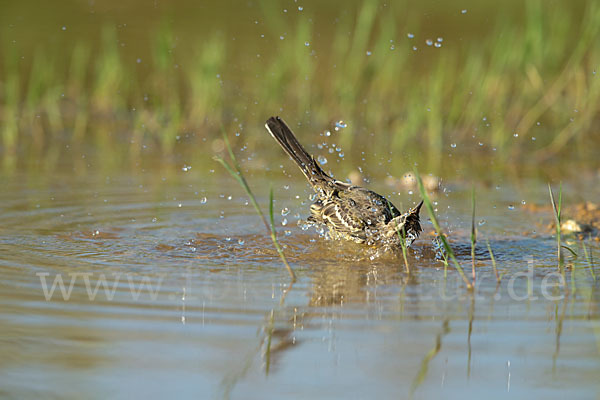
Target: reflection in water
[422, 373]
[471, 316]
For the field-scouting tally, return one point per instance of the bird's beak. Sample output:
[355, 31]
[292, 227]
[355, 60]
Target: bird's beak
[417, 209]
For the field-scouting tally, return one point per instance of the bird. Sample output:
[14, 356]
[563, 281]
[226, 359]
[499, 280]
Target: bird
[349, 211]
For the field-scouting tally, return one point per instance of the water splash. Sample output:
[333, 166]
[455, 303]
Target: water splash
[340, 125]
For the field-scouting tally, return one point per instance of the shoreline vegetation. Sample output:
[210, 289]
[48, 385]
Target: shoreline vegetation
[526, 92]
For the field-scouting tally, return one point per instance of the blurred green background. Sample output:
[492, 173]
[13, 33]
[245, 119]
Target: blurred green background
[460, 87]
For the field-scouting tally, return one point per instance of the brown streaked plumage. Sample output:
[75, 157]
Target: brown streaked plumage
[350, 212]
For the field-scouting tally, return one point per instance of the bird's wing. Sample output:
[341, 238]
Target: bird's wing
[344, 220]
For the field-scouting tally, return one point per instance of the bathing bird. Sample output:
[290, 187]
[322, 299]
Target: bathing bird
[349, 212]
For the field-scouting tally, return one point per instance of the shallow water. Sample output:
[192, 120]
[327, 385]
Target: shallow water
[197, 303]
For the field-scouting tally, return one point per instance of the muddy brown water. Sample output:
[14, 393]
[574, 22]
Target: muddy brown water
[171, 288]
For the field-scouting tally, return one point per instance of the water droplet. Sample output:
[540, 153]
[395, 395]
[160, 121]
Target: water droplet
[515, 134]
[179, 205]
[511, 207]
[538, 123]
[392, 47]
[438, 45]
[340, 125]
[322, 160]
[306, 44]
[154, 219]
[440, 39]
[64, 28]
[300, 8]
[203, 200]
[341, 154]
[463, 11]
[523, 202]
[481, 144]
[415, 48]
[429, 42]
[229, 197]
[410, 35]
[241, 241]
[368, 53]
[481, 222]
[284, 222]
[281, 38]
[453, 145]
[533, 138]
[285, 211]
[287, 233]
[186, 168]
[327, 133]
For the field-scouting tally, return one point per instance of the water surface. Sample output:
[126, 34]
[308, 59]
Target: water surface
[197, 303]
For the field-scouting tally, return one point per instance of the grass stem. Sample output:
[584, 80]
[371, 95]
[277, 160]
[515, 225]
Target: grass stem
[557, 219]
[473, 232]
[236, 172]
[493, 261]
[439, 231]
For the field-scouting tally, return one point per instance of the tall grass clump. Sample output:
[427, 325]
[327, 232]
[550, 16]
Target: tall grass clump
[500, 88]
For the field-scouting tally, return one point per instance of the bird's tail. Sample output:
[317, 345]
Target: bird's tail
[307, 163]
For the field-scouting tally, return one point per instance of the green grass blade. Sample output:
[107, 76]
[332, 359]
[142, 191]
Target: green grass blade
[473, 233]
[236, 172]
[493, 261]
[439, 231]
[402, 236]
[557, 219]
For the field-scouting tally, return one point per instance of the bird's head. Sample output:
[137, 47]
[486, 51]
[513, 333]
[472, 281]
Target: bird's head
[407, 225]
